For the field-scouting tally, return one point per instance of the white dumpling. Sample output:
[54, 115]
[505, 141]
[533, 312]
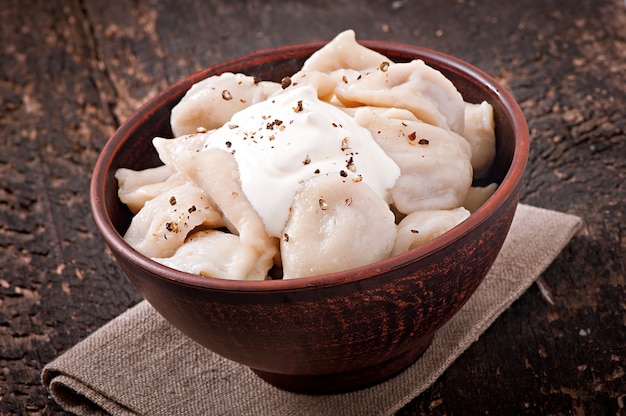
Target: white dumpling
[435, 166]
[174, 152]
[210, 103]
[213, 253]
[135, 187]
[420, 227]
[413, 86]
[478, 195]
[323, 82]
[394, 113]
[162, 225]
[335, 224]
[217, 174]
[480, 133]
[344, 52]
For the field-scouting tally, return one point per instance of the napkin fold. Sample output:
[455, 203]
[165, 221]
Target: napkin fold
[139, 364]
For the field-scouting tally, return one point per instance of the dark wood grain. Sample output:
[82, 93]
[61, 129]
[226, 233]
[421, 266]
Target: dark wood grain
[71, 71]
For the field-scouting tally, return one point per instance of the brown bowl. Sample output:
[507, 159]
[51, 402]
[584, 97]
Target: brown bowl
[336, 332]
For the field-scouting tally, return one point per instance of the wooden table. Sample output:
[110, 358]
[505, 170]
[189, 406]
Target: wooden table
[71, 71]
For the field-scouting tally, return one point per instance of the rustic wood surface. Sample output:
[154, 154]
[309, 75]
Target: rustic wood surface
[71, 71]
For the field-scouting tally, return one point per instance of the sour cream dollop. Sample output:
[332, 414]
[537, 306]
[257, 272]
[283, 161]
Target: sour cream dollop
[291, 137]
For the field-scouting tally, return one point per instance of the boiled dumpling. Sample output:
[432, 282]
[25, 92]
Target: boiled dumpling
[323, 82]
[213, 253]
[479, 132]
[138, 186]
[344, 52]
[436, 172]
[335, 224]
[478, 195]
[413, 86]
[217, 173]
[420, 227]
[162, 225]
[212, 102]
[175, 152]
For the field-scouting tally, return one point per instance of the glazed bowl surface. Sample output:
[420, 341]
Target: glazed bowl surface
[336, 332]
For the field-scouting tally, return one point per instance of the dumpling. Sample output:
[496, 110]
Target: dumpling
[344, 52]
[138, 186]
[210, 103]
[392, 112]
[335, 224]
[323, 82]
[213, 253]
[435, 167]
[413, 86]
[176, 151]
[216, 172]
[420, 227]
[478, 195]
[479, 132]
[162, 225]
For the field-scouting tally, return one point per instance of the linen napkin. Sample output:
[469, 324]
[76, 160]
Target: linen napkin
[139, 364]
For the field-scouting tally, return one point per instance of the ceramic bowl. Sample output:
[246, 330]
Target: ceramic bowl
[329, 333]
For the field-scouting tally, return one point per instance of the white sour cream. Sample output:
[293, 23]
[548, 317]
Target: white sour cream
[291, 137]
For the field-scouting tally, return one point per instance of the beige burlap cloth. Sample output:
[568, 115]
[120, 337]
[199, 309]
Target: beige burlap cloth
[139, 364]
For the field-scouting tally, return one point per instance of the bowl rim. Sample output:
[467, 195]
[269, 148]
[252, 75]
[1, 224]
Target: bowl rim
[512, 178]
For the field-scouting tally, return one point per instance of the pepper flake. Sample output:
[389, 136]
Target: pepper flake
[344, 144]
[172, 227]
[285, 82]
[350, 165]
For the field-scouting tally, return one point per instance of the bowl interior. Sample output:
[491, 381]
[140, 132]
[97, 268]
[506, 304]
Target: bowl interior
[131, 146]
